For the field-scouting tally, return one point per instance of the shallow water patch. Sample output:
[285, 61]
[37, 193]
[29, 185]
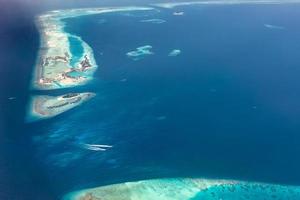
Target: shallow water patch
[76, 49]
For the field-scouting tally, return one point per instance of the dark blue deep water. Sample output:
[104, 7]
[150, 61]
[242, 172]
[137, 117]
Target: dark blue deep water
[227, 107]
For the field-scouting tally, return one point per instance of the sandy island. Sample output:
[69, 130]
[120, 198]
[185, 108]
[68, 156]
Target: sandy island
[158, 189]
[186, 189]
[54, 68]
[44, 106]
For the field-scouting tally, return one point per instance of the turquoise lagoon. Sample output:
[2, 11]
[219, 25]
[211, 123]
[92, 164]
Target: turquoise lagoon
[249, 191]
[76, 49]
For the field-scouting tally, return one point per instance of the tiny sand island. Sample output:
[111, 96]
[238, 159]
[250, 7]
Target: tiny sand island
[187, 189]
[56, 66]
[44, 106]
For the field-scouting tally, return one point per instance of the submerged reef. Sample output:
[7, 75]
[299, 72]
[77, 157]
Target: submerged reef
[153, 21]
[175, 52]
[44, 106]
[187, 189]
[140, 52]
[271, 26]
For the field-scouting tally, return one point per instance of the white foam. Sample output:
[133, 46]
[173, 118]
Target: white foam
[178, 13]
[96, 147]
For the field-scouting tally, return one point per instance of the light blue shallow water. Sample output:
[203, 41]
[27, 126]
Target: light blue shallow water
[76, 74]
[249, 192]
[76, 50]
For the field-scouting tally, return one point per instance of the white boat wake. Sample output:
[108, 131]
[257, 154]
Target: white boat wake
[96, 147]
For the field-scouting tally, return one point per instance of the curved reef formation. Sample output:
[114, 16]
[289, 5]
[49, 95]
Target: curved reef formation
[187, 189]
[56, 66]
[49, 106]
[140, 52]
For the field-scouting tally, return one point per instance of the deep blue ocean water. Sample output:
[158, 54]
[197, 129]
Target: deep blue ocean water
[226, 107]
[20, 176]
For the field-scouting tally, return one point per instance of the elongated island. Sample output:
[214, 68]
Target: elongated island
[44, 106]
[187, 189]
